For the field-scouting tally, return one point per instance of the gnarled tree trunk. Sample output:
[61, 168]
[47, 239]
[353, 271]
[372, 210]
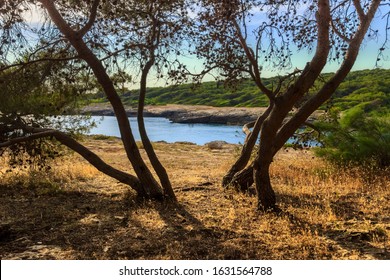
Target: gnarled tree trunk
[158, 167]
[278, 127]
[265, 193]
[149, 185]
[232, 176]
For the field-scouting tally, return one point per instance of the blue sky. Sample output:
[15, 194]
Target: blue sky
[366, 60]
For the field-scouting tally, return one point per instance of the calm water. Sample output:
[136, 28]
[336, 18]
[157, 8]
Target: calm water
[161, 129]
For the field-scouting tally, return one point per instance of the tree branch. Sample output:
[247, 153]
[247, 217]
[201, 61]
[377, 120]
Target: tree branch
[37, 61]
[91, 19]
[27, 138]
[57, 18]
[338, 33]
[339, 5]
[251, 57]
[329, 88]
[158, 167]
[315, 66]
[359, 9]
[246, 151]
[92, 158]
[284, 78]
[246, 128]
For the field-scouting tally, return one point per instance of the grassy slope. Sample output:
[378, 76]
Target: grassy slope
[208, 93]
[367, 87]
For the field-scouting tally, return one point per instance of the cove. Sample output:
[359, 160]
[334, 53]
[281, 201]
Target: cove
[161, 129]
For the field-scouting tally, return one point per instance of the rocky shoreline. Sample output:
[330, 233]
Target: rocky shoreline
[186, 113]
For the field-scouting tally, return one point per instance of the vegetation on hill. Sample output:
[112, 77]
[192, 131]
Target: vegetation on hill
[368, 88]
[207, 93]
[357, 128]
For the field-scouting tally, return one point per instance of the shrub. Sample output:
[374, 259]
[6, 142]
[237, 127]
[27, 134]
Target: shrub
[356, 139]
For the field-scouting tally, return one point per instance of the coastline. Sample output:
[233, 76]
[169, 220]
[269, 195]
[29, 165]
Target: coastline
[185, 113]
[190, 113]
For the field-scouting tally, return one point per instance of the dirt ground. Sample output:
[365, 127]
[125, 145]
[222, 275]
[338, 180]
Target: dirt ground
[75, 212]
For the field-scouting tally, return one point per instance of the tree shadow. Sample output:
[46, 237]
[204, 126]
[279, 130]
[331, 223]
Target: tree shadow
[98, 225]
[92, 225]
[350, 237]
[183, 236]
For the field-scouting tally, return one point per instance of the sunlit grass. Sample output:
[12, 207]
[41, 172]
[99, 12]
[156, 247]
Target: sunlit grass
[326, 213]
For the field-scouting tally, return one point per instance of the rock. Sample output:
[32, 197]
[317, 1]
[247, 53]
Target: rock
[215, 145]
[191, 119]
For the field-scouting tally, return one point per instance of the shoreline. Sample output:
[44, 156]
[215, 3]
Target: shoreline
[213, 144]
[177, 113]
[185, 113]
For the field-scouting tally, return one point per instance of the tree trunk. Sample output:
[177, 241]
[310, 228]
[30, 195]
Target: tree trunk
[264, 158]
[243, 179]
[246, 152]
[265, 193]
[150, 186]
[143, 173]
[158, 167]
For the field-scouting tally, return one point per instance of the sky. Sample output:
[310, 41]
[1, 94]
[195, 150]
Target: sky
[366, 60]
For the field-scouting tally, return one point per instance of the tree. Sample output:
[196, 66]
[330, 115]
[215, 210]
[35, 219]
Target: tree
[103, 37]
[29, 97]
[333, 30]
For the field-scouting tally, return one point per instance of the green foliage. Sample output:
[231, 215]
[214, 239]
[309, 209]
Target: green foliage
[356, 139]
[39, 90]
[208, 93]
[358, 130]
[35, 96]
[366, 86]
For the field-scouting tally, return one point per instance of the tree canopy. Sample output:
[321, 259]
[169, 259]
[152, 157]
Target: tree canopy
[232, 46]
[106, 39]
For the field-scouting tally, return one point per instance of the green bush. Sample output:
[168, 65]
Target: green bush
[356, 138]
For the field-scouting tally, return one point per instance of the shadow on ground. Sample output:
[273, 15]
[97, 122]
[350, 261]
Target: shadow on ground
[348, 232]
[90, 225]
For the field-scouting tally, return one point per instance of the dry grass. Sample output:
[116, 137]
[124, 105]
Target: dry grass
[74, 212]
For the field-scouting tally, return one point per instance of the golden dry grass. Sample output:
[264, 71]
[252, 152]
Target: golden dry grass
[75, 212]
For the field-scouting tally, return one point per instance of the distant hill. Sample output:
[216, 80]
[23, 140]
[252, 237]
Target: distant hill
[368, 88]
[207, 93]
